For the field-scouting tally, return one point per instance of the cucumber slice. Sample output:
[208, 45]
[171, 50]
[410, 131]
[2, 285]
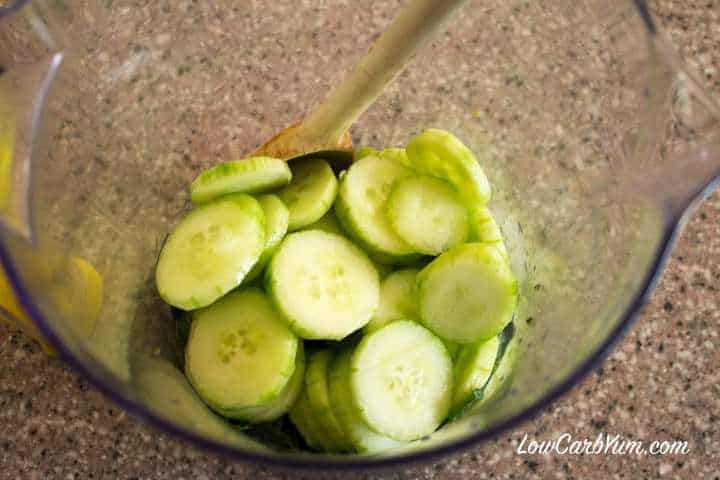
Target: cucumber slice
[397, 300]
[467, 294]
[250, 175]
[485, 229]
[508, 354]
[473, 366]
[316, 386]
[502, 368]
[427, 213]
[362, 437]
[164, 388]
[452, 348]
[328, 223]
[364, 152]
[240, 354]
[311, 192]
[325, 286]
[396, 154]
[277, 219]
[210, 251]
[281, 405]
[402, 380]
[360, 207]
[441, 154]
[382, 269]
[301, 416]
[392, 153]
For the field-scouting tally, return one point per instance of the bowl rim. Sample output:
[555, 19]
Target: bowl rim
[112, 390]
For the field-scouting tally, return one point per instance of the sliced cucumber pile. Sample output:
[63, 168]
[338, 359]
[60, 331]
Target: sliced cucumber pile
[467, 294]
[507, 356]
[210, 251]
[328, 223]
[396, 265]
[311, 192]
[472, 368]
[364, 152]
[251, 175]
[441, 154]
[396, 154]
[284, 400]
[485, 229]
[428, 214]
[241, 333]
[277, 220]
[324, 285]
[302, 417]
[482, 371]
[401, 380]
[317, 385]
[361, 207]
[363, 438]
[397, 299]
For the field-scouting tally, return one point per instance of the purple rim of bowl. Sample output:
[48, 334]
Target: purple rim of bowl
[345, 463]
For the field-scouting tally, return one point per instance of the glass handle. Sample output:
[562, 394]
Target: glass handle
[678, 173]
[70, 284]
[11, 312]
[23, 92]
[695, 115]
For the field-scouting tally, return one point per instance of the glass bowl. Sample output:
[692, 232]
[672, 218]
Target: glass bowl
[602, 139]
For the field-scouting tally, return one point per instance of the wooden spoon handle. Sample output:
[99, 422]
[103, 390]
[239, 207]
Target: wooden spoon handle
[392, 52]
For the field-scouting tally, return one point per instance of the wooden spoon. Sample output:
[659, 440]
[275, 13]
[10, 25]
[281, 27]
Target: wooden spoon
[326, 129]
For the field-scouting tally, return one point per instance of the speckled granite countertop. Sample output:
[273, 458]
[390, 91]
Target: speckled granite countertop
[661, 382]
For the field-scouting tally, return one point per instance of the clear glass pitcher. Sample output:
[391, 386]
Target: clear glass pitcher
[108, 109]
